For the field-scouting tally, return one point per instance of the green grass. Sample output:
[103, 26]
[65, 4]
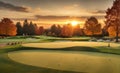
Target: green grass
[35, 39]
[107, 50]
[9, 66]
[27, 40]
[102, 49]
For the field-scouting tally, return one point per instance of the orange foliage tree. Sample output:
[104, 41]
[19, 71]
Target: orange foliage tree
[113, 20]
[7, 27]
[67, 31]
[92, 27]
[77, 31]
[40, 30]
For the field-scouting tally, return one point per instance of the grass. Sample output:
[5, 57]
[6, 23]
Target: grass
[107, 50]
[34, 39]
[63, 44]
[9, 66]
[102, 49]
[80, 59]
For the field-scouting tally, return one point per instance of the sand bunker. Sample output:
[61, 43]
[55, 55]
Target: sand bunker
[79, 62]
[68, 44]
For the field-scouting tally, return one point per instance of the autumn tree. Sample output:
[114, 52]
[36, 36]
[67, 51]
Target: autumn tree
[36, 29]
[19, 28]
[92, 27]
[41, 30]
[113, 20]
[67, 31]
[58, 31]
[77, 31]
[7, 27]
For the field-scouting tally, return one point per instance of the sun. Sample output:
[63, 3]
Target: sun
[74, 23]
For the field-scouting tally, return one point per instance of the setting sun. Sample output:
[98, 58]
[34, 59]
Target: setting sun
[74, 23]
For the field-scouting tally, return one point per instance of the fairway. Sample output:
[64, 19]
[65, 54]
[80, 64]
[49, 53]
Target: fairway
[64, 44]
[70, 61]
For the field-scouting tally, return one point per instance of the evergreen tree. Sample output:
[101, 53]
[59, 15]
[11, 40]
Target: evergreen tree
[58, 30]
[26, 27]
[19, 28]
[31, 29]
[53, 30]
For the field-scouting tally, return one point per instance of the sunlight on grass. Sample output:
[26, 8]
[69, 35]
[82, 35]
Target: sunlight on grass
[68, 44]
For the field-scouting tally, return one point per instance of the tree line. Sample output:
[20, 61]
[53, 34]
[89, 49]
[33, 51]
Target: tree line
[91, 27]
[29, 28]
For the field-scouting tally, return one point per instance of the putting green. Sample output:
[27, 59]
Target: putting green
[79, 62]
[55, 45]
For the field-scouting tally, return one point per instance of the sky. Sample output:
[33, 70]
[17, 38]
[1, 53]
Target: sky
[47, 12]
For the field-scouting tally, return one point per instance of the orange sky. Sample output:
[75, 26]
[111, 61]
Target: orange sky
[47, 12]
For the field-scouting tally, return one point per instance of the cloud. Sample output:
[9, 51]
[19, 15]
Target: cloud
[53, 18]
[50, 17]
[60, 18]
[98, 12]
[11, 7]
[69, 7]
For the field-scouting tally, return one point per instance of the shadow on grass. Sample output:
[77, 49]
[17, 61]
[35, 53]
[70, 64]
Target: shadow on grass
[102, 49]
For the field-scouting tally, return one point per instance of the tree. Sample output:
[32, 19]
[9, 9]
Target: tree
[58, 31]
[41, 30]
[32, 29]
[36, 29]
[113, 20]
[92, 27]
[7, 27]
[53, 30]
[19, 28]
[26, 27]
[67, 31]
[77, 31]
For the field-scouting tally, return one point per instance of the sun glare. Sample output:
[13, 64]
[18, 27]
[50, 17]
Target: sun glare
[74, 23]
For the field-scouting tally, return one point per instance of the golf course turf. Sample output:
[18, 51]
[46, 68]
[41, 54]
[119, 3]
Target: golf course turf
[69, 61]
[9, 66]
[12, 58]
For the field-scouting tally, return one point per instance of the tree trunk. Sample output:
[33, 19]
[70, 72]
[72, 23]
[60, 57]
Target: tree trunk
[92, 34]
[117, 33]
